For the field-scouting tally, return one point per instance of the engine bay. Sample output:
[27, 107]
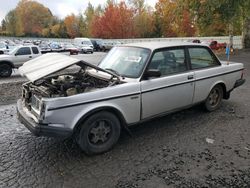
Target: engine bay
[69, 84]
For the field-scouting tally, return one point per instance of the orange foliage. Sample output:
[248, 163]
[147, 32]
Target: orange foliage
[34, 16]
[71, 23]
[166, 13]
[187, 26]
[116, 22]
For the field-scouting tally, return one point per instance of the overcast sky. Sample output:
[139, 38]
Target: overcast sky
[59, 8]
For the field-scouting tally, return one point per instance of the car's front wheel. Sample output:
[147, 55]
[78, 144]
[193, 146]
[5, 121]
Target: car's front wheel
[5, 70]
[99, 133]
[214, 98]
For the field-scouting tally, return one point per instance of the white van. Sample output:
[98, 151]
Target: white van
[84, 44]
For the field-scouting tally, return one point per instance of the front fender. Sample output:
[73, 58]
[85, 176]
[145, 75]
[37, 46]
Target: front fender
[7, 62]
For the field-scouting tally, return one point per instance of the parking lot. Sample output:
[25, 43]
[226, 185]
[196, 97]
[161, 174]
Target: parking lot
[191, 148]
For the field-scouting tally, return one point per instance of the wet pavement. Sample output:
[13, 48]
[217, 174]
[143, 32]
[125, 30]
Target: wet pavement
[191, 148]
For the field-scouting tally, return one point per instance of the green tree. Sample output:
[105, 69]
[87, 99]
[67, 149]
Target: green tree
[3, 25]
[13, 24]
[89, 17]
[143, 18]
[62, 30]
[34, 17]
[82, 26]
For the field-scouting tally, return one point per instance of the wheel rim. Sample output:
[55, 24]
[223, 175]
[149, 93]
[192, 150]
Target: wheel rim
[100, 132]
[4, 72]
[214, 97]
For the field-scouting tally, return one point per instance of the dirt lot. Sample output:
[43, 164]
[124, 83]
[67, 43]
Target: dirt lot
[191, 148]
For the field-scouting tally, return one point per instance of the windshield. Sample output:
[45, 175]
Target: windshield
[13, 50]
[127, 61]
[86, 42]
[2, 45]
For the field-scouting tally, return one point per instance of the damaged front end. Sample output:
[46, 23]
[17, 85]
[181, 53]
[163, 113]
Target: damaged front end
[81, 79]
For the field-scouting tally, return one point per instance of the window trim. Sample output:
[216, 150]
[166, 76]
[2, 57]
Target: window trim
[186, 61]
[18, 54]
[37, 51]
[209, 51]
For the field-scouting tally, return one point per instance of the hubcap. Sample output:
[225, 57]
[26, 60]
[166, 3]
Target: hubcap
[100, 132]
[4, 70]
[214, 97]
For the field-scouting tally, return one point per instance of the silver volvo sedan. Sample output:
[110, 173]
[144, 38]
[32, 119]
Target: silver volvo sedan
[134, 83]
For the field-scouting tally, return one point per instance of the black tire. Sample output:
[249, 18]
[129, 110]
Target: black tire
[214, 98]
[99, 133]
[5, 70]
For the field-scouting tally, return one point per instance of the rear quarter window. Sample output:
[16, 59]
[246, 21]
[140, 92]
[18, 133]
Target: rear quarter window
[35, 50]
[202, 58]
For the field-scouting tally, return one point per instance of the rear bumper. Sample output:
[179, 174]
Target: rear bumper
[239, 82]
[40, 129]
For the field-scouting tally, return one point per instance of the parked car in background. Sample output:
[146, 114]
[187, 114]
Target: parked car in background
[215, 45]
[84, 45]
[3, 48]
[56, 47]
[45, 48]
[109, 44]
[68, 47]
[134, 83]
[98, 44]
[16, 58]
[194, 41]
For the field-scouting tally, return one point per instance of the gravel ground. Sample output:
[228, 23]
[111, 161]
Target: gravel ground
[191, 148]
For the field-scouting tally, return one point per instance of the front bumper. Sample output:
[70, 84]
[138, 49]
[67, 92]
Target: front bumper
[40, 129]
[87, 50]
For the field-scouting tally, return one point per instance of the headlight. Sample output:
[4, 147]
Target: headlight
[37, 105]
[42, 111]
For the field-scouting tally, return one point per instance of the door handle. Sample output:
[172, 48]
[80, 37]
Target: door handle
[190, 77]
[30, 56]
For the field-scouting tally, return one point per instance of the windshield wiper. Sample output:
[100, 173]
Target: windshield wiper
[114, 71]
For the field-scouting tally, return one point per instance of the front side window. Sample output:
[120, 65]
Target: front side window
[24, 51]
[127, 61]
[169, 61]
[201, 58]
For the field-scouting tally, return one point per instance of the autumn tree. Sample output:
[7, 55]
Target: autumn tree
[143, 18]
[13, 24]
[166, 16]
[3, 25]
[71, 24]
[82, 26]
[89, 17]
[34, 16]
[116, 22]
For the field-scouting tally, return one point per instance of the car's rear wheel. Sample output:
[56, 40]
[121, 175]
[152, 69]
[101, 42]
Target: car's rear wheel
[99, 133]
[5, 70]
[214, 98]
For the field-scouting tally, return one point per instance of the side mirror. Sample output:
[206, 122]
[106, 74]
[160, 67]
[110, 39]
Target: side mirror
[152, 73]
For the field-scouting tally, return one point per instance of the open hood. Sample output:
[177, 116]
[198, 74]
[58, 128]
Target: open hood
[50, 63]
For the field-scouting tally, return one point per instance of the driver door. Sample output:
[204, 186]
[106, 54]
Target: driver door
[22, 55]
[174, 89]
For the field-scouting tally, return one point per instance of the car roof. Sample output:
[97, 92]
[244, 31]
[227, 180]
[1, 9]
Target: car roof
[160, 44]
